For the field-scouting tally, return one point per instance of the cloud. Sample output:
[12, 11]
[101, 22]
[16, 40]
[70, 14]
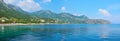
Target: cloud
[26, 5]
[47, 1]
[76, 14]
[10, 1]
[63, 9]
[104, 12]
[29, 5]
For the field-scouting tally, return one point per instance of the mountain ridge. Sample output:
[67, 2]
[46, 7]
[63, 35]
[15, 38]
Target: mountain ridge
[43, 16]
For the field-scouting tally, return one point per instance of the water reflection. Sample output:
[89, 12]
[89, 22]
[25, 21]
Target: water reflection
[50, 33]
[80, 31]
[104, 32]
[55, 33]
[8, 32]
[2, 28]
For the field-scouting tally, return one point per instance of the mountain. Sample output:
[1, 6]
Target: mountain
[69, 18]
[45, 14]
[11, 14]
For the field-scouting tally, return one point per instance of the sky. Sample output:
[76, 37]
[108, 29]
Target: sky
[95, 9]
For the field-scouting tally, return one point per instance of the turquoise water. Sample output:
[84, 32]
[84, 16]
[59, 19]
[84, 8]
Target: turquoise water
[59, 32]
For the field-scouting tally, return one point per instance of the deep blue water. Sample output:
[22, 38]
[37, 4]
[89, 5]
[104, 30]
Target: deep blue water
[60, 32]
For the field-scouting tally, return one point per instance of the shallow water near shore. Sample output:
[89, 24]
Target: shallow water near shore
[61, 32]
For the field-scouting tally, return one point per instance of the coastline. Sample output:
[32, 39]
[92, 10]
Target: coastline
[22, 24]
[11, 24]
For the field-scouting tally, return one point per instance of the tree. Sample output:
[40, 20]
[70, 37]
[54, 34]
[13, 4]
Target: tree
[14, 20]
[3, 19]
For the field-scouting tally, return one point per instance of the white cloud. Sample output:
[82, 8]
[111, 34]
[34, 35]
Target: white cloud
[104, 12]
[46, 1]
[76, 14]
[10, 1]
[26, 5]
[29, 5]
[63, 9]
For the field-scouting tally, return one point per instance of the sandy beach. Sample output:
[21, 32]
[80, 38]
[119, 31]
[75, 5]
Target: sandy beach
[16, 24]
[11, 24]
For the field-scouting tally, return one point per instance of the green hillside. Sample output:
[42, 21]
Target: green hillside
[13, 14]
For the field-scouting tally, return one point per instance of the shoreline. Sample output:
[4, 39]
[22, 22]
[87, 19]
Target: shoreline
[12, 24]
[22, 24]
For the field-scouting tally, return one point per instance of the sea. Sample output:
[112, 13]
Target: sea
[61, 32]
